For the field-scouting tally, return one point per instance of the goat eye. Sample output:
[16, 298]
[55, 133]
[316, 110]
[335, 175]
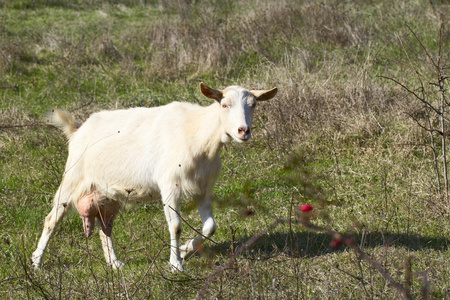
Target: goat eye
[224, 106]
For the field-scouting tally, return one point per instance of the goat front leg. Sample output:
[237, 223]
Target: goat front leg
[209, 227]
[172, 212]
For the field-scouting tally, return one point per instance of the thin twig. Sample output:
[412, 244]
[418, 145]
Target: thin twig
[426, 284]
[37, 287]
[423, 47]
[197, 231]
[428, 104]
[435, 156]
[443, 104]
[238, 251]
[364, 256]
[428, 129]
[306, 223]
[410, 62]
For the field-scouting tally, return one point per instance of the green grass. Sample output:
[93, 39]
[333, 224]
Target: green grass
[337, 135]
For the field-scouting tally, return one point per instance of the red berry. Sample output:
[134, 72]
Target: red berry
[336, 243]
[306, 207]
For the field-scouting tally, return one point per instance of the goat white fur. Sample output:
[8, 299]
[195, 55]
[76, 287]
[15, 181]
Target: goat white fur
[140, 154]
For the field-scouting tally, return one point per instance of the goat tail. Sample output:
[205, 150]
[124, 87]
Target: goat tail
[64, 121]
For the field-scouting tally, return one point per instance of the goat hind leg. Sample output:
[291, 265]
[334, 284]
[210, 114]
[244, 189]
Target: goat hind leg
[107, 212]
[51, 222]
[108, 248]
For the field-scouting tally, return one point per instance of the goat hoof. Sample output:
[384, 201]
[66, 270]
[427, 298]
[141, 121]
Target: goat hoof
[117, 264]
[177, 267]
[36, 260]
[185, 253]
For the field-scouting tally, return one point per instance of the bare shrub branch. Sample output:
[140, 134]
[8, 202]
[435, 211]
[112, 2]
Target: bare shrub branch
[433, 102]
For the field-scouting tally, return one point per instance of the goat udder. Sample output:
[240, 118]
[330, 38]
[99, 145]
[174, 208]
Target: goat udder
[88, 210]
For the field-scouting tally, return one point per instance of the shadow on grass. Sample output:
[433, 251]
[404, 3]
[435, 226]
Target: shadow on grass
[311, 244]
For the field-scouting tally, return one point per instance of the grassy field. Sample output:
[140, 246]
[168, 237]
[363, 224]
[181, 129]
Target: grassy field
[339, 135]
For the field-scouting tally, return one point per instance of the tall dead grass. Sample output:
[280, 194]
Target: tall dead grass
[216, 37]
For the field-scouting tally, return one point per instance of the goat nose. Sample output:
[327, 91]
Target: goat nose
[243, 130]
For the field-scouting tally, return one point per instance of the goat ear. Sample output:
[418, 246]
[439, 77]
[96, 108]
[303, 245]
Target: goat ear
[211, 93]
[263, 95]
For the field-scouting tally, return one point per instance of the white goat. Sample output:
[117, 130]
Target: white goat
[140, 154]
